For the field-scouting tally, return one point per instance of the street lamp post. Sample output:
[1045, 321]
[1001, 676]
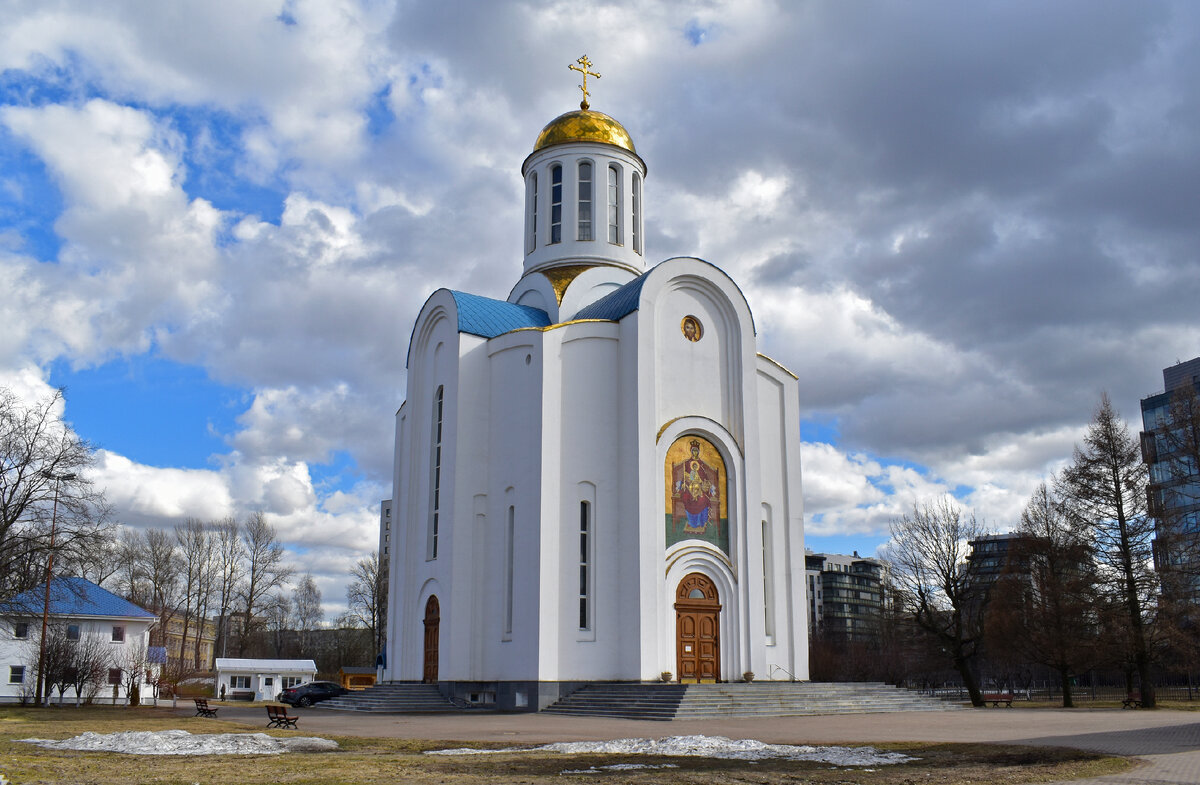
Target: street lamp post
[41, 674]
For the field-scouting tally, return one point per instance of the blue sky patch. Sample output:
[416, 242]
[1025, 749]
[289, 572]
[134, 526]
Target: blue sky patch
[48, 83]
[902, 463]
[822, 431]
[865, 544]
[697, 33]
[286, 16]
[379, 113]
[151, 410]
[340, 473]
[212, 162]
[961, 492]
[425, 77]
[30, 201]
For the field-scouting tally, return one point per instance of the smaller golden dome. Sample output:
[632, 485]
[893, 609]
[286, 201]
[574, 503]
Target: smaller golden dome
[584, 125]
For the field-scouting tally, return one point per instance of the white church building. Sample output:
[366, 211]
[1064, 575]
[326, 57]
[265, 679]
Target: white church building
[597, 479]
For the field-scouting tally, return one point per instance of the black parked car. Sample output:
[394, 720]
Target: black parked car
[308, 694]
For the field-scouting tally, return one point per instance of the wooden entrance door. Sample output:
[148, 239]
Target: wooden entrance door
[697, 630]
[433, 620]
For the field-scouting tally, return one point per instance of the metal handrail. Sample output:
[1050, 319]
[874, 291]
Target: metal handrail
[771, 672]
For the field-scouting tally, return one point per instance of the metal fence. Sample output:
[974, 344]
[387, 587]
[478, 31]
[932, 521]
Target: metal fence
[1085, 690]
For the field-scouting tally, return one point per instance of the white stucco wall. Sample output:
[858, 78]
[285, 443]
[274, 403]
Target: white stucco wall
[24, 652]
[537, 420]
[541, 419]
[263, 678]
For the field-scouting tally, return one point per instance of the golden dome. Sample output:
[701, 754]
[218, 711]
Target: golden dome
[584, 125]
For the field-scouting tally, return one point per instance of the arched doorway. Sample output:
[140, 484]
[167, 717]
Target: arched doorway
[697, 630]
[433, 620]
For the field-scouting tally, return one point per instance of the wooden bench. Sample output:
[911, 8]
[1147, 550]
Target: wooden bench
[277, 717]
[996, 698]
[1133, 700]
[203, 709]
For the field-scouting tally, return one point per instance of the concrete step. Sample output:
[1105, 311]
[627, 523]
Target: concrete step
[394, 697]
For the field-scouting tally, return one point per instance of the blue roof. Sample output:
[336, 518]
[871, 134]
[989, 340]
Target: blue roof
[616, 304]
[488, 318]
[73, 597]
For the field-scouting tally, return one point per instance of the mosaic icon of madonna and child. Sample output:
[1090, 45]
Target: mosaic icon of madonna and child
[695, 502]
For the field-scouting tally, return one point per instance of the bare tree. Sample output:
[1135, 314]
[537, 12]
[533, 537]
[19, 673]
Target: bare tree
[96, 560]
[928, 555]
[130, 574]
[306, 605]
[265, 572]
[365, 597]
[134, 663]
[229, 570]
[1044, 607]
[197, 549]
[42, 461]
[58, 662]
[278, 611]
[345, 643]
[1104, 488]
[163, 569]
[90, 661]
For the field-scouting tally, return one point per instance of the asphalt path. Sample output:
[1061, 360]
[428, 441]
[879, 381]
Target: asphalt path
[1167, 742]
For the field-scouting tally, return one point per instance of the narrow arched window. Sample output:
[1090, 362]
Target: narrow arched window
[768, 584]
[510, 533]
[435, 473]
[531, 242]
[585, 566]
[635, 221]
[585, 200]
[556, 185]
[614, 205]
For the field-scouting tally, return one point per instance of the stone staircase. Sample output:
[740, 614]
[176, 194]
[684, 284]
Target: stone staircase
[756, 699]
[392, 697]
[654, 701]
[632, 700]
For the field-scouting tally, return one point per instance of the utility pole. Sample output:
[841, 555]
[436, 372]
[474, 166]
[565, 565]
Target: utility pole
[41, 674]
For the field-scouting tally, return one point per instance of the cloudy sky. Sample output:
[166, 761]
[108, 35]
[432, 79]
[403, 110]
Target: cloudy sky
[957, 222]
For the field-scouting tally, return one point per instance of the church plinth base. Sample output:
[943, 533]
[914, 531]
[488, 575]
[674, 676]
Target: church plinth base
[508, 695]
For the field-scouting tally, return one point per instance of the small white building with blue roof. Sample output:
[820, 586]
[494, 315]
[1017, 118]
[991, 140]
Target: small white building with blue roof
[598, 478]
[90, 630]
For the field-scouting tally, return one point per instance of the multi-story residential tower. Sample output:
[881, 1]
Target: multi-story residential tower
[1171, 448]
[845, 595]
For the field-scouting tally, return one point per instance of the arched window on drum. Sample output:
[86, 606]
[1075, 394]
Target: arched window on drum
[531, 231]
[635, 219]
[585, 200]
[614, 205]
[556, 186]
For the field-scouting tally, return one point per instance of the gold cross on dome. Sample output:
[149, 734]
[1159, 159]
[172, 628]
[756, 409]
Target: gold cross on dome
[584, 65]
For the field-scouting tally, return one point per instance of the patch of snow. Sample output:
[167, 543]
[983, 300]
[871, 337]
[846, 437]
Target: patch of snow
[706, 747]
[621, 767]
[180, 742]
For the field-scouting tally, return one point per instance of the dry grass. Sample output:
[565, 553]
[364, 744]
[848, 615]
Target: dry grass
[366, 761]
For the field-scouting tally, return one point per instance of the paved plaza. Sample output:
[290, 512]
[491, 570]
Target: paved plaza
[1168, 742]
